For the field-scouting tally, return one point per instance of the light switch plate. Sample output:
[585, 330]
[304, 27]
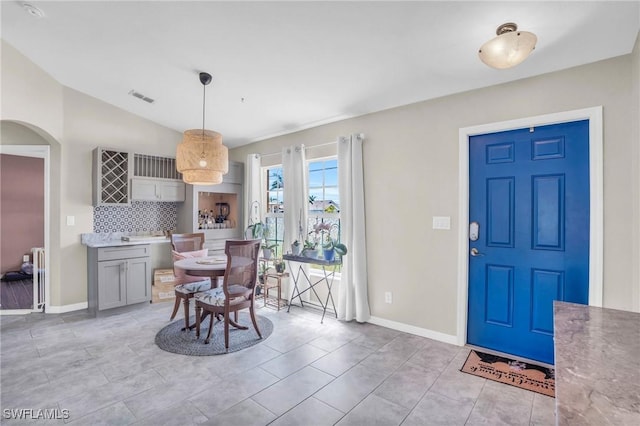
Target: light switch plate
[71, 220]
[441, 222]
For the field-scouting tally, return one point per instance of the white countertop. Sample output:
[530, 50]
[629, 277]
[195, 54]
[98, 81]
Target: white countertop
[115, 239]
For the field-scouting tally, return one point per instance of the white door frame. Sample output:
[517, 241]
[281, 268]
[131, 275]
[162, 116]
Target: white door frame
[37, 151]
[596, 201]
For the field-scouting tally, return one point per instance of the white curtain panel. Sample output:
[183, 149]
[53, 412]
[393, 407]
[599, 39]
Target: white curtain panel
[253, 194]
[353, 300]
[294, 175]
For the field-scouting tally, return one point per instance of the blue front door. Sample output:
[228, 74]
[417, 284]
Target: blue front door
[529, 195]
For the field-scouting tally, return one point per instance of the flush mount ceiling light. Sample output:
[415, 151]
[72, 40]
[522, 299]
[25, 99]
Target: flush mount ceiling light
[509, 48]
[201, 157]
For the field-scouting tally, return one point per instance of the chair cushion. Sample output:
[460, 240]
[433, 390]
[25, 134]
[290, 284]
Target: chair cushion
[194, 287]
[181, 276]
[216, 297]
[213, 297]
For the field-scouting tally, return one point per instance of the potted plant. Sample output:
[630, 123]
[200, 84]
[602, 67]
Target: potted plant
[279, 265]
[331, 247]
[310, 249]
[255, 231]
[267, 250]
[295, 248]
[262, 271]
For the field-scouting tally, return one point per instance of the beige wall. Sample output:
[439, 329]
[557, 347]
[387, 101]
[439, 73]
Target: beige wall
[411, 175]
[29, 94]
[73, 124]
[410, 155]
[89, 123]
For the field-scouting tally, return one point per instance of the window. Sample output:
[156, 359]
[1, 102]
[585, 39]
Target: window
[324, 198]
[324, 202]
[274, 214]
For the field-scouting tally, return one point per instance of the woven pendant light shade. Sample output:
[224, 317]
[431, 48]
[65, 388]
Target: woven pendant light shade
[201, 157]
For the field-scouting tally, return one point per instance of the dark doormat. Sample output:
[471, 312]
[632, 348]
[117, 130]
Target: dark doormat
[511, 372]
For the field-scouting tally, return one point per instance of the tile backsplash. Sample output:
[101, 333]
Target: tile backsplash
[140, 216]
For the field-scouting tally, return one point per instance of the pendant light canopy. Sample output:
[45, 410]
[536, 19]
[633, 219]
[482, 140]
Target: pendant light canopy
[201, 157]
[509, 48]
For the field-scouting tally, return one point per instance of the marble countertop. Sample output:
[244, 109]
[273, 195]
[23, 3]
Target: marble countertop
[114, 239]
[597, 362]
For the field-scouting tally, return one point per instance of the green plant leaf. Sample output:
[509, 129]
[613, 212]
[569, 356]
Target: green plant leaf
[340, 248]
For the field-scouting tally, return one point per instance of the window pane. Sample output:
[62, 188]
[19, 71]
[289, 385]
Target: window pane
[316, 165]
[315, 179]
[315, 196]
[331, 176]
[275, 178]
[331, 193]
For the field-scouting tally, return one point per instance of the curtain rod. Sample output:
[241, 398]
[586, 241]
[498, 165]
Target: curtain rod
[306, 147]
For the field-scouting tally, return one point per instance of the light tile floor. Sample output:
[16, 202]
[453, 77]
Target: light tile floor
[108, 371]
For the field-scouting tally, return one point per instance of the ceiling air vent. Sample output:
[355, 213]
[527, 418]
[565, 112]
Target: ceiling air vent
[141, 96]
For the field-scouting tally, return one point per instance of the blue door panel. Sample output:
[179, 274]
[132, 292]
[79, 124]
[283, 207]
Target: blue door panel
[500, 153]
[548, 212]
[529, 191]
[499, 295]
[546, 286]
[500, 211]
[547, 149]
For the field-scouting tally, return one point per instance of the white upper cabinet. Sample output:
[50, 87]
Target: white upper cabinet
[149, 189]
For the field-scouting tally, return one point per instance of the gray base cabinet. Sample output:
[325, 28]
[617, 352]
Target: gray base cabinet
[119, 276]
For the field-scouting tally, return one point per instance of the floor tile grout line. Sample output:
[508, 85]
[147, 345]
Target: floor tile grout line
[475, 401]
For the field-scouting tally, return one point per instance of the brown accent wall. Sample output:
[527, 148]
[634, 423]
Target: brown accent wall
[21, 209]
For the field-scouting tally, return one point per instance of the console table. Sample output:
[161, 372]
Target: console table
[329, 270]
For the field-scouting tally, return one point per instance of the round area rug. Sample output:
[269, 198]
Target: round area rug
[173, 339]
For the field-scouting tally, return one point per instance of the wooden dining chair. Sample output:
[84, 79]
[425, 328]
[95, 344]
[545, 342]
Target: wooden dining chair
[184, 246]
[237, 291]
[187, 242]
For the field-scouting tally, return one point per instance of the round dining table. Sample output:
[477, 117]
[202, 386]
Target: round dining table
[210, 266]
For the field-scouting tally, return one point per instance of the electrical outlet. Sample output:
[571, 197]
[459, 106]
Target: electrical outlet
[25, 258]
[388, 297]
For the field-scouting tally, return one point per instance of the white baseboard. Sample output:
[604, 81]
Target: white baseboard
[15, 312]
[66, 308]
[423, 332]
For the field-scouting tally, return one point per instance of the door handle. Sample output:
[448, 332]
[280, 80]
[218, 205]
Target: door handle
[475, 252]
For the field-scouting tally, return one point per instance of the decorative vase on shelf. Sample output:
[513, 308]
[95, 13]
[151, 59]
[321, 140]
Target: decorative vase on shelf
[295, 249]
[329, 255]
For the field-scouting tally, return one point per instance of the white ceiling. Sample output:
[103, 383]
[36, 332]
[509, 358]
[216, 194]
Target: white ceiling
[298, 64]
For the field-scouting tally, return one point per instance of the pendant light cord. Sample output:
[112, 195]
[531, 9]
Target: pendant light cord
[204, 92]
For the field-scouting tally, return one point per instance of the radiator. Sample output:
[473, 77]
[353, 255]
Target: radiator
[38, 278]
